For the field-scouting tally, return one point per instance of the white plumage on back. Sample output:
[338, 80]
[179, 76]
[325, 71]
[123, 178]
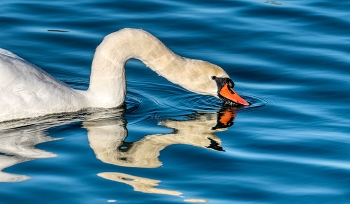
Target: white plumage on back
[27, 91]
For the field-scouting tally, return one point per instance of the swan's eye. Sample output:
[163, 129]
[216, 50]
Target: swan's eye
[231, 84]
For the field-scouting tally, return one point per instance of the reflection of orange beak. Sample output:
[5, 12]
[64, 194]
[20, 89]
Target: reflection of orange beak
[225, 118]
[230, 94]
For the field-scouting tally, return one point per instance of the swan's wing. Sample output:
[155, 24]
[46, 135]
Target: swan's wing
[8, 53]
[28, 91]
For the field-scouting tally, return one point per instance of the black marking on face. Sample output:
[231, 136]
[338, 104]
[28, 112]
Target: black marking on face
[221, 81]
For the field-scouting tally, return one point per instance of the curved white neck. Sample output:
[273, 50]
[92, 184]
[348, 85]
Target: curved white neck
[107, 82]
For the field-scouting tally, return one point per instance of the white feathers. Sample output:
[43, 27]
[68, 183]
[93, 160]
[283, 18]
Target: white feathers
[28, 91]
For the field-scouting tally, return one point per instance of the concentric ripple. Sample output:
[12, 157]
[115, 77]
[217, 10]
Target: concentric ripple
[140, 105]
[254, 102]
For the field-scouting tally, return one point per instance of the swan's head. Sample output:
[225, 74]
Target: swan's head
[226, 92]
[209, 79]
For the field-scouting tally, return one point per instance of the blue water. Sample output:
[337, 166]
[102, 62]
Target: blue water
[290, 59]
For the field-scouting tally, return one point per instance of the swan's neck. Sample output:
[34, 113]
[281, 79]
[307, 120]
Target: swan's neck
[107, 83]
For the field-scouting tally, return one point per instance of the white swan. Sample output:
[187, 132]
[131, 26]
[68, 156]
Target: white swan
[28, 91]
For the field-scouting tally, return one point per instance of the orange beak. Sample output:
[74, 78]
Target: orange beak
[230, 94]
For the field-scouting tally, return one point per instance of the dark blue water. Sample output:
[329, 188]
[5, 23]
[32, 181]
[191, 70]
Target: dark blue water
[290, 59]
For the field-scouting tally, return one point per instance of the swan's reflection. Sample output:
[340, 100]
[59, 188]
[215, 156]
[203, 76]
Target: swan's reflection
[107, 137]
[18, 140]
[140, 184]
[106, 134]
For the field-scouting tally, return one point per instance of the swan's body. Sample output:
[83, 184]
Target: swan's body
[28, 91]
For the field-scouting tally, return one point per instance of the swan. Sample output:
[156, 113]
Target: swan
[27, 91]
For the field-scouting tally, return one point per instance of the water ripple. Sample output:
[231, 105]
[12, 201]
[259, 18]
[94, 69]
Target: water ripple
[289, 59]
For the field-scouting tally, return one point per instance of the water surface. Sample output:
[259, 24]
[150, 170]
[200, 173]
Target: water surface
[290, 59]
